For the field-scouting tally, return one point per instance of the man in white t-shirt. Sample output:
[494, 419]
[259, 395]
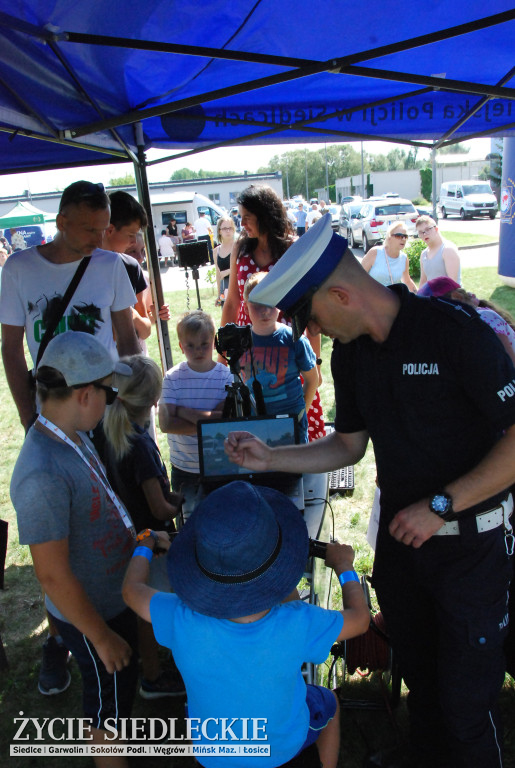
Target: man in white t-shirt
[35, 280]
[204, 230]
[312, 216]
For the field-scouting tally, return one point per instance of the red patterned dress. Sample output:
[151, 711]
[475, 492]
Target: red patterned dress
[246, 266]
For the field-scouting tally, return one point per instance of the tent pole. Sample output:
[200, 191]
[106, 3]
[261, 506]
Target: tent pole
[140, 172]
[434, 181]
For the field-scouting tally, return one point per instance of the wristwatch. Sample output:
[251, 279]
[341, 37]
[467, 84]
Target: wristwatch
[441, 505]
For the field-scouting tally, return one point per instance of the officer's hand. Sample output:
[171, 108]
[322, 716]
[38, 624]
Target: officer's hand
[415, 524]
[244, 449]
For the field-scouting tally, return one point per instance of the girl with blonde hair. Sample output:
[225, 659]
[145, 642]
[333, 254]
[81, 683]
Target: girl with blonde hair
[139, 476]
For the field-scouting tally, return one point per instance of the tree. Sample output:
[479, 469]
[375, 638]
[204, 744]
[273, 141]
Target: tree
[396, 159]
[342, 160]
[182, 174]
[426, 182]
[494, 172]
[123, 181]
[378, 163]
[453, 149]
[186, 174]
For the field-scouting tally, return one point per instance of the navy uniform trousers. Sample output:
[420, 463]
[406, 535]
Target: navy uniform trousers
[445, 607]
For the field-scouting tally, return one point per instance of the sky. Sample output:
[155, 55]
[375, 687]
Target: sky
[237, 159]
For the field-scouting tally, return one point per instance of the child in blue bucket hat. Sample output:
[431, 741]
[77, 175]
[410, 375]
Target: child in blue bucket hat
[238, 635]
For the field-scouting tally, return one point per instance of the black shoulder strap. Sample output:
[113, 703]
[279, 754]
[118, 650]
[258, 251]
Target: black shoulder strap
[55, 320]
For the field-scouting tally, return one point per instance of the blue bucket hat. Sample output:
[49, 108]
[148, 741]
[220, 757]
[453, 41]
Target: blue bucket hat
[300, 272]
[242, 551]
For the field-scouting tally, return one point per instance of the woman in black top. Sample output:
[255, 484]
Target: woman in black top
[172, 228]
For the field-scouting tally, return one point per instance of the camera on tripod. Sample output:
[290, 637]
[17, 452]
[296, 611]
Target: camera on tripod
[233, 340]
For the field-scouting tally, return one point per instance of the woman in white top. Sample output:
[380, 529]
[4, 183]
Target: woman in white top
[388, 263]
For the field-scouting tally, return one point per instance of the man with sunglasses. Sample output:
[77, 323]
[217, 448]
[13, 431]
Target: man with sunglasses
[36, 279]
[441, 257]
[80, 536]
[33, 284]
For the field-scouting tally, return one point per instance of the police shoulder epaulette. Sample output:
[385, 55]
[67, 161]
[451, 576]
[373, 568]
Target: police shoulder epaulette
[461, 313]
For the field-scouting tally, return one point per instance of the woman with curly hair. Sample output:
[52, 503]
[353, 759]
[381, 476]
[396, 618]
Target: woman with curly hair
[266, 234]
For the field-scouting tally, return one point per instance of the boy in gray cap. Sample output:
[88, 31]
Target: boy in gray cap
[80, 535]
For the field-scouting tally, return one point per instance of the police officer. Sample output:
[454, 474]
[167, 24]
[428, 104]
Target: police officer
[431, 386]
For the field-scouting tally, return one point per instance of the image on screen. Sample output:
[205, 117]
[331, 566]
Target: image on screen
[214, 460]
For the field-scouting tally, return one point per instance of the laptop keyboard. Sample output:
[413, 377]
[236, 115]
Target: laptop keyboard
[341, 480]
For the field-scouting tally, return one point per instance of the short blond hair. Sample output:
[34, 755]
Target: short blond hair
[196, 321]
[395, 225]
[425, 220]
[251, 283]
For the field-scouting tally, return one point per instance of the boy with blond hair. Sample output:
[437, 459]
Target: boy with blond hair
[192, 390]
[279, 361]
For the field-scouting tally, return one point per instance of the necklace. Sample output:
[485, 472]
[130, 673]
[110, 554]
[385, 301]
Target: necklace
[97, 469]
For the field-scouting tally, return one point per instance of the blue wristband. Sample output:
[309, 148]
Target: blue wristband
[347, 576]
[143, 552]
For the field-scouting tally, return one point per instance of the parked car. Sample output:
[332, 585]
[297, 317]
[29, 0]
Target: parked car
[425, 212]
[351, 199]
[467, 199]
[334, 210]
[370, 225]
[348, 212]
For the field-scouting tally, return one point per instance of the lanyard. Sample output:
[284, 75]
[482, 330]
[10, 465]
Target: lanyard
[97, 470]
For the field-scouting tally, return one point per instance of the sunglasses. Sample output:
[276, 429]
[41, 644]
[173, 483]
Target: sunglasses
[111, 392]
[400, 235]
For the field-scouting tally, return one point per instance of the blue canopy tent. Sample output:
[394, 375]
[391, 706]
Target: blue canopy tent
[101, 82]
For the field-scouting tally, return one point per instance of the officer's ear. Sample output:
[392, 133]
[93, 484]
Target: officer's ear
[339, 294]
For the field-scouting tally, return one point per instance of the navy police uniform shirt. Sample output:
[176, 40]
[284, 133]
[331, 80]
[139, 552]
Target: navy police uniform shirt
[434, 397]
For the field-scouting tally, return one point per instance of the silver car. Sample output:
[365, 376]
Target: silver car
[375, 216]
[348, 213]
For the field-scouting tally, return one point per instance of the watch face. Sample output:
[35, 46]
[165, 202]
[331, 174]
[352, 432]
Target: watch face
[440, 503]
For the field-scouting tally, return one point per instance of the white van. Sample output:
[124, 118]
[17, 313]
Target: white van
[183, 207]
[467, 199]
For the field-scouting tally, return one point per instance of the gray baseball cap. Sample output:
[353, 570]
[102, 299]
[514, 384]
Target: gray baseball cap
[80, 358]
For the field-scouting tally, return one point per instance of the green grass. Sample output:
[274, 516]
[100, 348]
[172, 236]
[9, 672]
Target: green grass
[21, 610]
[462, 239]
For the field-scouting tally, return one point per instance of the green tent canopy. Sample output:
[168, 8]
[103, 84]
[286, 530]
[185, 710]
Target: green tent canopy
[23, 214]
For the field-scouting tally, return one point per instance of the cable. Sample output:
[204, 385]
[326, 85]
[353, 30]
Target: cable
[369, 652]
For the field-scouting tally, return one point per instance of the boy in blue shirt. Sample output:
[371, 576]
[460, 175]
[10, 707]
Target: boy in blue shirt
[238, 638]
[279, 362]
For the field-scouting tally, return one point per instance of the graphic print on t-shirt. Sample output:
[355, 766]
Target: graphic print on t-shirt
[79, 317]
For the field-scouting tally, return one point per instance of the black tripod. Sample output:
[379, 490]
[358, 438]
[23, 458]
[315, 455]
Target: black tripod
[239, 401]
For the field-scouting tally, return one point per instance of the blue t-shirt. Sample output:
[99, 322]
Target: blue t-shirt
[234, 670]
[278, 361]
[300, 217]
